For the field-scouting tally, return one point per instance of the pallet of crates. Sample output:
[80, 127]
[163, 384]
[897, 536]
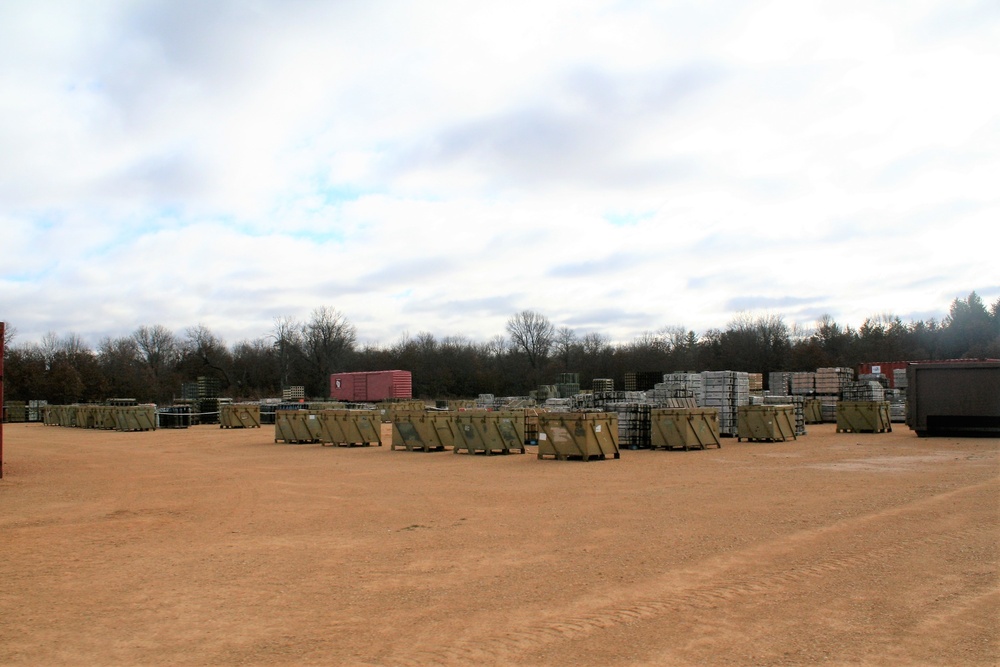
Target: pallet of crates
[803, 383]
[831, 381]
[779, 383]
[866, 390]
[633, 424]
[726, 391]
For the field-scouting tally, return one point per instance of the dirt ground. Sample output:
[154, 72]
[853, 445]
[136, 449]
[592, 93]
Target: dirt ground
[212, 546]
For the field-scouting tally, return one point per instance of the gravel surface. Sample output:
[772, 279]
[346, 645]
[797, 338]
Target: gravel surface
[210, 546]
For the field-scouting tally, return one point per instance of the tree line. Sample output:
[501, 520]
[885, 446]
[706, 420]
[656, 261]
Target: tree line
[153, 362]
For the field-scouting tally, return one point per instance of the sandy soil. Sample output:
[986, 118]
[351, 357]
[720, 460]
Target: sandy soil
[219, 547]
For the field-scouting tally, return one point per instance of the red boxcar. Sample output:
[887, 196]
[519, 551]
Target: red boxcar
[369, 386]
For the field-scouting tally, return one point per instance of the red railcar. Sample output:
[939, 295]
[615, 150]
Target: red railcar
[370, 386]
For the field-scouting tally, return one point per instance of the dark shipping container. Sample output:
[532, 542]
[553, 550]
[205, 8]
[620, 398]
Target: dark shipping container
[958, 397]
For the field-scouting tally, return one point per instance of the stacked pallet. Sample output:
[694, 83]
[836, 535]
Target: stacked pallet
[869, 390]
[604, 397]
[726, 391]
[828, 408]
[603, 384]
[584, 402]
[881, 378]
[559, 404]
[485, 401]
[779, 383]
[661, 393]
[803, 383]
[641, 380]
[831, 381]
[756, 382]
[294, 393]
[797, 402]
[633, 424]
[899, 378]
[897, 404]
[679, 403]
[676, 385]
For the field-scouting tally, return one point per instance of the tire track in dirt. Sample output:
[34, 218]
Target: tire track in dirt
[722, 580]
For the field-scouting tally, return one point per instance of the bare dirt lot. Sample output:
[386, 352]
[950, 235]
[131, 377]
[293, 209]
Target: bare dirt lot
[208, 546]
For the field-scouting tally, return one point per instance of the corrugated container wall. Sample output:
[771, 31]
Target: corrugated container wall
[370, 386]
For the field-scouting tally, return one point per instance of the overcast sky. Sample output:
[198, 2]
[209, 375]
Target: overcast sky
[438, 166]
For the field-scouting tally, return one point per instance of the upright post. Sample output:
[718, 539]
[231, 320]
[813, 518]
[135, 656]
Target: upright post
[1, 398]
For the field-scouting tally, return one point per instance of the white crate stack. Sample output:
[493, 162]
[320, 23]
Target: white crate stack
[803, 383]
[677, 385]
[779, 383]
[868, 390]
[830, 383]
[899, 378]
[726, 391]
[897, 404]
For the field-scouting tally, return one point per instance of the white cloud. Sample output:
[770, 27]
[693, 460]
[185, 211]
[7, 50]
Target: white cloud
[617, 166]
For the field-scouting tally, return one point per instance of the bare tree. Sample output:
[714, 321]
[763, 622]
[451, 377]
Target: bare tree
[287, 335]
[206, 350]
[328, 338]
[125, 373]
[565, 343]
[9, 333]
[533, 334]
[158, 347]
[596, 344]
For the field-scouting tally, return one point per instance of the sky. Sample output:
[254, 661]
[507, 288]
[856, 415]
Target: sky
[618, 166]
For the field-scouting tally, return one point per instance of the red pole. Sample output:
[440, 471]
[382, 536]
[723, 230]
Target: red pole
[1, 398]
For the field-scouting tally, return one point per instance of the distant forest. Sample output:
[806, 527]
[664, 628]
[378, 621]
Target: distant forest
[152, 363]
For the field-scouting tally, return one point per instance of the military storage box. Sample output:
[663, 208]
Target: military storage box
[239, 415]
[684, 428]
[489, 432]
[578, 435]
[770, 423]
[350, 428]
[422, 431]
[863, 417]
[296, 426]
